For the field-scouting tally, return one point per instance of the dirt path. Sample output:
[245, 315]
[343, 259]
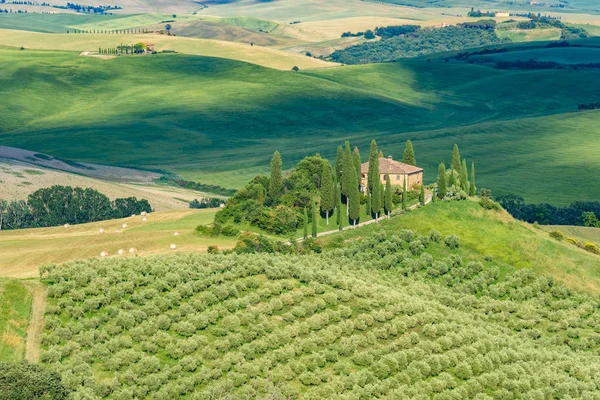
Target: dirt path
[36, 323]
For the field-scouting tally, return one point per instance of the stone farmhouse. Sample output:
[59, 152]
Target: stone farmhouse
[398, 173]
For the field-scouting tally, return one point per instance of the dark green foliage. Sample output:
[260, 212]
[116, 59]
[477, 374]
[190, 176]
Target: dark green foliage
[417, 43]
[391, 31]
[305, 225]
[547, 214]
[369, 209]
[422, 195]
[441, 182]
[373, 180]
[388, 195]
[59, 205]
[24, 381]
[314, 226]
[489, 204]
[434, 195]
[464, 176]
[452, 178]
[357, 163]
[369, 34]
[588, 218]
[452, 241]
[404, 194]
[206, 202]
[472, 187]
[276, 179]
[340, 212]
[348, 172]
[339, 162]
[327, 190]
[354, 200]
[409, 154]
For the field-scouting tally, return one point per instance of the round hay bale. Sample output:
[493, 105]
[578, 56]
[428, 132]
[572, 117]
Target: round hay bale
[173, 246]
[144, 213]
[121, 252]
[66, 226]
[176, 234]
[132, 250]
[101, 230]
[144, 219]
[104, 254]
[124, 226]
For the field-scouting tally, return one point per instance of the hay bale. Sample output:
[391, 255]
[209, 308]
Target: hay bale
[104, 254]
[66, 226]
[132, 250]
[144, 213]
[173, 246]
[144, 219]
[101, 230]
[124, 226]
[121, 252]
[117, 231]
[176, 234]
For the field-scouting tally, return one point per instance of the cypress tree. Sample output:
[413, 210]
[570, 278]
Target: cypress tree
[356, 162]
[441, 182]
[339, 162]
[327, 190]
[464, 176]
[314, 219]
[452, 180]
[354, 200]
[434, 195]
[276, 179]
[456, 158]
[368, 210]
[374, 180]
[472, 188]
[376, 200]
[388, 195]
[380, 154]
[305, 224]
[404, 193]
[348, 176]
[422, 195]
[409, 154]
[339, 220]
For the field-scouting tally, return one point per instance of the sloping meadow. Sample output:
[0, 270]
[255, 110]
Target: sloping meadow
[378, 318]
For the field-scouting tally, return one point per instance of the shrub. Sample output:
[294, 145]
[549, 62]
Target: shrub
[452, 241]
[185, 328]
[435, 236]
[558, 235]
[489, 204]
[591, 247]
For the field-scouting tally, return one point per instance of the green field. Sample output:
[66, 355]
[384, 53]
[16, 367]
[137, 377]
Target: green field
[569, 55]
[218, 121]
[55, 23]
[15, 307]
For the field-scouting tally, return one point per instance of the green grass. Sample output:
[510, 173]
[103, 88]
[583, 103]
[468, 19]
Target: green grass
[219, 121]
[582, 233]
[490, 235]
[568, 55]
[528, 35]
[55, 23]
[15, 307]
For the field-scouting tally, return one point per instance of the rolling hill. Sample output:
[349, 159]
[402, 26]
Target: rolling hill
[199, 116]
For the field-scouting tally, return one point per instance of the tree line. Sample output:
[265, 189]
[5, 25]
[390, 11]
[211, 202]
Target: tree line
[138, 48]
[201, 187]
[283, 205]
[59, 205]
[581, 213]
[454, 183]
[110, 32]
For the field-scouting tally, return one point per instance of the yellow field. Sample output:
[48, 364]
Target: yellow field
[267, 57]
[24, 251]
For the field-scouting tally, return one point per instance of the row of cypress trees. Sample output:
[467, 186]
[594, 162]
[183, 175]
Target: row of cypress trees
[458, 176]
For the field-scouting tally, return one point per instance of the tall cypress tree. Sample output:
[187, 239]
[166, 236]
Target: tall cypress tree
[374, 180]
[434, 194]
[441, 182]
[376, 200]
[422, 195]
[456, 159]
[339, 162]
[388, 195]
[356, 162]
[409, 154]
[348, 175]
[368, 205]
[472, 188]
[276, 179]
[464, 176]
[340, 219]
[305, 224]
[314, 218]
[452, 179]
[327, 190]
[404, 193]
[354, 200]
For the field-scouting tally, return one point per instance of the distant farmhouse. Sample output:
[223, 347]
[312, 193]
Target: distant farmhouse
[398, 173]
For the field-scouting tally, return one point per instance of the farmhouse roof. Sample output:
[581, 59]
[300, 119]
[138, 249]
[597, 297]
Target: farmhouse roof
[389, 166]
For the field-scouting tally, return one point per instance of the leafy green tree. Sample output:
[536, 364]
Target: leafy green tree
[327, 190]
[354, 200]
[30, 381]
[455, 158]
[464, 176]
[356, 162]
[472, 188]
[339, 163]
[276, 179]
[441, 182]
[404, 193]
[388, 195]
[589, 219]
[314, 219]
[409, 154]
[305, 224]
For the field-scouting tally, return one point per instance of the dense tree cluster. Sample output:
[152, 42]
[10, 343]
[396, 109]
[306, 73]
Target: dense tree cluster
[577, 213]
[30, 381]
[58, 205]
[201, 187]
[376, 317]
[207, 202]
[454, 183]
[412, 42]
[83, 8]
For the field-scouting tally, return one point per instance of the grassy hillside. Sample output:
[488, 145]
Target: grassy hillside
[370, 319]
[15, 307]
[24, 251]
[191, 115]
[494, 238]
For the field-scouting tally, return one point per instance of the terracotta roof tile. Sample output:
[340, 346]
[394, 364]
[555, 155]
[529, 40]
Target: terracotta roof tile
[389, 166]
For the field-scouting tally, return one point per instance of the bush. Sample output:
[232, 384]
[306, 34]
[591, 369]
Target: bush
[591, 247]
[452, 241]
[30, 381]
[556, 234]
[489, 204]
[230, 231]
[435, 236]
